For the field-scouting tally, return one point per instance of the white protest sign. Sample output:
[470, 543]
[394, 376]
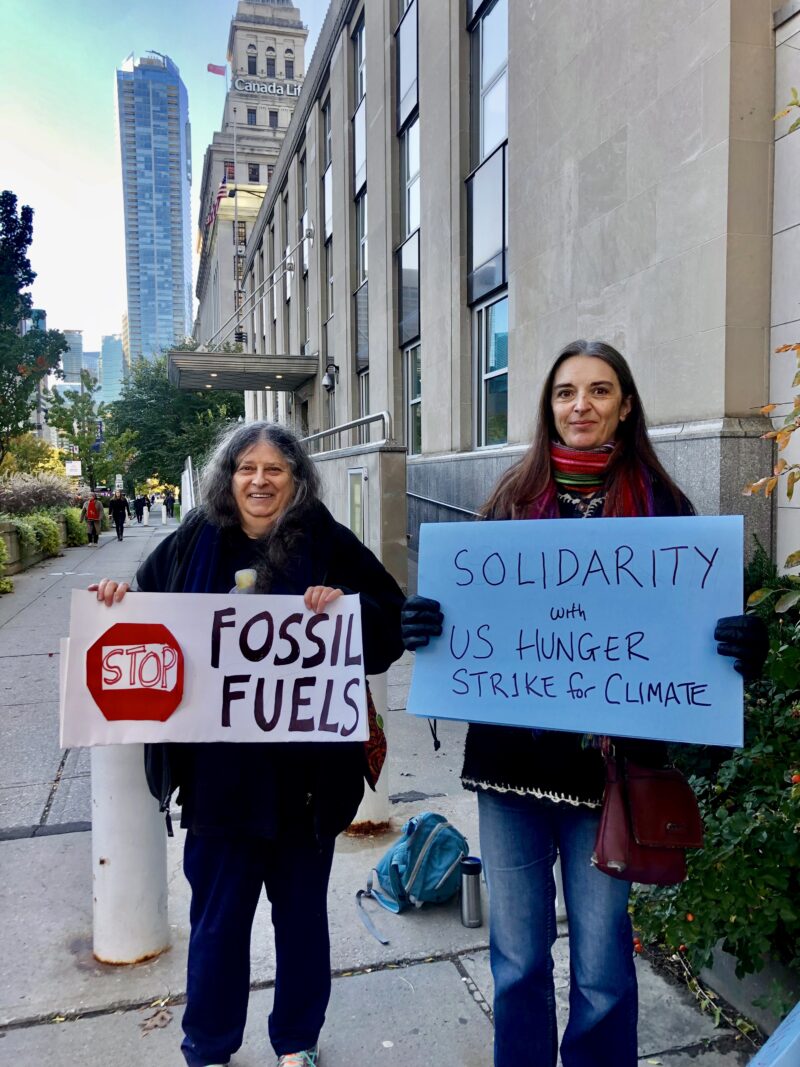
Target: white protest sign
[603, 627]
[207, 667]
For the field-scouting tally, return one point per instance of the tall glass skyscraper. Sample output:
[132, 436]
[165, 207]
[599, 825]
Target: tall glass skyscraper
[153, 109]
[112, 365]
[72, 359]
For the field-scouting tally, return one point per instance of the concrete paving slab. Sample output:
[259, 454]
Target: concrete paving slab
[72, 801]
[46, 967]
[22, 805]
[23, 676]
[407, 1017]
[30, 731]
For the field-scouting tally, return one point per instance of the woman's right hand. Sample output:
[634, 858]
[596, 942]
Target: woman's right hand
[420, 620]
[109, 591]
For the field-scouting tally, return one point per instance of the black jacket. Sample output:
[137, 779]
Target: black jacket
[265, 789]
[553, 764]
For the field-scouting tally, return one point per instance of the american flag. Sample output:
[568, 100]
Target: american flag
[222, 192]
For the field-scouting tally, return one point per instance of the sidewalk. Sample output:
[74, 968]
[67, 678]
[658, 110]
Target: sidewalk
[424, 999]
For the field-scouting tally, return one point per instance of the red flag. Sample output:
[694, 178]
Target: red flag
[213, 68]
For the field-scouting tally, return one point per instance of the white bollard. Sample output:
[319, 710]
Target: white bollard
[146, 516]
[163, 513]
[129, 859]
[375, 807]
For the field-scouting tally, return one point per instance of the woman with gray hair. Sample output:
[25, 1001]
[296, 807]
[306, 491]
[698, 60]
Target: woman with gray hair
[264, 814]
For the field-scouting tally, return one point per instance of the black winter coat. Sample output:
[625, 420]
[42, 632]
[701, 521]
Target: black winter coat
[270, 788]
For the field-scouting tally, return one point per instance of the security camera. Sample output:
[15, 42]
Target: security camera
[330, 377]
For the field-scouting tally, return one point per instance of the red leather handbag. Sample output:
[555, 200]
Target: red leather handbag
[649, 818]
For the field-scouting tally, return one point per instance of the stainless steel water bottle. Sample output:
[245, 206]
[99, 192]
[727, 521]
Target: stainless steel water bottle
[471, 891]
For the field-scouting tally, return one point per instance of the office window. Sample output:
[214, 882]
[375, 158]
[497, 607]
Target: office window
[230, 171]
[239, 232]
[487, 216]
[253, 172]
[270, 62]
[413, 393]
[359, 62]
[270, 171]
[360, 148]
[273, 120]
[407, 64]
[409, 155]
[362, 264]
[289, 68]
[491, 350]
[251, 59]
[251, 116]
[328, 278]
[489, 80]
[326, 134]
[408, 271]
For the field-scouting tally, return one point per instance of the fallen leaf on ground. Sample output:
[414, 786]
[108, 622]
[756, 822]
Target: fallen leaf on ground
[157, 1021]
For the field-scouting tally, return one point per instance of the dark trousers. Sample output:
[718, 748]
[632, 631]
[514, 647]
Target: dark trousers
[226, 876]
[93, 529]
[119, 523]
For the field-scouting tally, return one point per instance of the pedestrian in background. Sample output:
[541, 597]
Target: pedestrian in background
[119, 507]
[169, 504]
[92, 515]
[268, 814]
[540, 791]
[138, 507]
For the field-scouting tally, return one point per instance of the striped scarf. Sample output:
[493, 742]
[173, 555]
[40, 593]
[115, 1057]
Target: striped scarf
[584, 471]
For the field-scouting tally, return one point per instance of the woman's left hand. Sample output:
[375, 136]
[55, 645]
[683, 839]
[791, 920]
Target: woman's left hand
[745, 638]
[317, 597]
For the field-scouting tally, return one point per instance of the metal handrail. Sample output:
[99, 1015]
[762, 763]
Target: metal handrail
[443, 504]
[365, 420]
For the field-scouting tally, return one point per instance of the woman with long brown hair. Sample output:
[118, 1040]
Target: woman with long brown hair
[540, 791]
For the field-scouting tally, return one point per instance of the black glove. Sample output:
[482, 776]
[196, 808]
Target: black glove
[744, 637]
[420, 620]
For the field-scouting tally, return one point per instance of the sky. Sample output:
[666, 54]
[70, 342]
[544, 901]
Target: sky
[59, 150]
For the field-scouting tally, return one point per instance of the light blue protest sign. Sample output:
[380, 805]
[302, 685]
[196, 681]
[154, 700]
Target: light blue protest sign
[602, 627]
[783, 1048]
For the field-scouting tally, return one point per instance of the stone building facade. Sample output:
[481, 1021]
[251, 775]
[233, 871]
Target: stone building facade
[487, 181]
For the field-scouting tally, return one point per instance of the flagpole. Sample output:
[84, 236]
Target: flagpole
[236, 232]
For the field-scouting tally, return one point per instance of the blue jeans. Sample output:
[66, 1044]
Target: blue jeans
[226, 876]
[520, 837]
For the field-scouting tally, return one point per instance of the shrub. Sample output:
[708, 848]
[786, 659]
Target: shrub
[47, 533]
[36, 533]
[743, 887]
[76, 528]
[20, 494]
[6, 585]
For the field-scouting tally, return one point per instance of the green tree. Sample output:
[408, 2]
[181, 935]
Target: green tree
[29, 454]
[169, 424]
[78, 417]
[24, 361]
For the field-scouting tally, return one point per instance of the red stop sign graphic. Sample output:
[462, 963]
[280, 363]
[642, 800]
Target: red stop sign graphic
[135, 671]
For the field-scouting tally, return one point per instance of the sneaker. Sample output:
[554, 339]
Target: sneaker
[308, 1058]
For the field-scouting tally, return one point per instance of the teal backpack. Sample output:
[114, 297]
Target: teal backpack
[423, 867]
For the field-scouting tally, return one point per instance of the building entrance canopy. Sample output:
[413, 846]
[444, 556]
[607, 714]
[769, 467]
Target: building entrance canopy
[239, 371]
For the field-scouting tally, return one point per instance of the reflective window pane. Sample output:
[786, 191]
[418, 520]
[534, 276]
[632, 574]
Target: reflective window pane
[360, 147]
[494, 120]
[494, 45]
[496, 432]
[497, 336]
[486, 211]
[407, 66]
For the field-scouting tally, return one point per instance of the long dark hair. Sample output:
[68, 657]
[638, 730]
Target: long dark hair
[276, 548]
[532, 477]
